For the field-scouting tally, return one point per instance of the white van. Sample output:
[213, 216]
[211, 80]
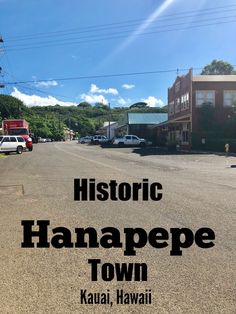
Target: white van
[11, 143]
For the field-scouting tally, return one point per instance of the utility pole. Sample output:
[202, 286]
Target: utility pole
[1, 83]
[70, 133]
[109, 122]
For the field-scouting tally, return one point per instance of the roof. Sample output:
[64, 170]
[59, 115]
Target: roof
[147, 118]
[214, 78]
[106, 123]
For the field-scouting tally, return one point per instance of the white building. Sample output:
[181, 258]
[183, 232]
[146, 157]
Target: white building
[109, 129]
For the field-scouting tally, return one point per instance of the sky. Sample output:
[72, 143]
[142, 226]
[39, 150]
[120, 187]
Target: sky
[68, 51]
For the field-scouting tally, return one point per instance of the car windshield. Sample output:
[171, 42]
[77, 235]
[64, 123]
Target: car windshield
[18, 131]
[1, 137]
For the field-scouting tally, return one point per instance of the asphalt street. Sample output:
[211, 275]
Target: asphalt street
[198, 191]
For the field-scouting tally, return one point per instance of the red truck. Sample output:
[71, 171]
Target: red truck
[18, 127]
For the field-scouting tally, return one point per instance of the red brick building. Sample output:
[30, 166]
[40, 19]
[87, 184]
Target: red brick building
[188, 94]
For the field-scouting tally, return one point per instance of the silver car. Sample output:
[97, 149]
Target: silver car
[99, 139]
[85, 139]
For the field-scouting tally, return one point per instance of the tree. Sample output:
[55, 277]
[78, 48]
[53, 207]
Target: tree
[100, 105]
[84, 126]
[139, 105]
[11, 107]
[84, 105]
[218, 67]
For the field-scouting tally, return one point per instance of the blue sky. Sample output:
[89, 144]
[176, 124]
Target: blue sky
[52, 39]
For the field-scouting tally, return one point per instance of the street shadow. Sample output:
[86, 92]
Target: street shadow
[144, 151]
[105, 145]
[156, 150]
[148, 151]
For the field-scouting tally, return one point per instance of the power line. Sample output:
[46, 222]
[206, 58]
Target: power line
[24, 86]
[122, 36]
[102, 76]
[122, 24]
[48, 35]
[125, 32]
[107, 75]
[34, 89]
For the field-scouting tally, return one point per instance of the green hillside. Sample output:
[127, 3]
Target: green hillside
[84, 119]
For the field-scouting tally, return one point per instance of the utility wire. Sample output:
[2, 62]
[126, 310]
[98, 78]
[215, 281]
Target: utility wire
[106, 75]
[25, 86]
[122, 24]
[102, 76]
[121, 36]
[96, 30]
[125, 32]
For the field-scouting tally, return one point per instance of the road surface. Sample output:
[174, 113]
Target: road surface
[198, 191]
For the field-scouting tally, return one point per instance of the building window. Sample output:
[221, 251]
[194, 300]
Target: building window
[229, 98]
[205, 97]
[185, 101]
[177, 105]
[171, 108]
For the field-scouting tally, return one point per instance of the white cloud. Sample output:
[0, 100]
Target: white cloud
[34, 100]
[123, 102]
[128, 86]
[46, 83]
[92, 99]
[95, 89]
[153, 102]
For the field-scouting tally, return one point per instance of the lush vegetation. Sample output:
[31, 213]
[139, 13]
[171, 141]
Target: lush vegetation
[218, 67]
[84, 119]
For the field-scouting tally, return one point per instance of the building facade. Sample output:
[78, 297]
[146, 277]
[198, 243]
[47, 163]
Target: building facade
[188, 95]
[144, 125]
[109, 129]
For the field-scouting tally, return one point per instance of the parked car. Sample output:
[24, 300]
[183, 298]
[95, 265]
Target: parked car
[42, 140]
[85, 139]
[98, 139]
[131, 140]
[10, 143]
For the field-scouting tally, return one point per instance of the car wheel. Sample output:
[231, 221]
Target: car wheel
[96, 142]
[142, 144]
[121, 144]
[30, 149]
[19, 150]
